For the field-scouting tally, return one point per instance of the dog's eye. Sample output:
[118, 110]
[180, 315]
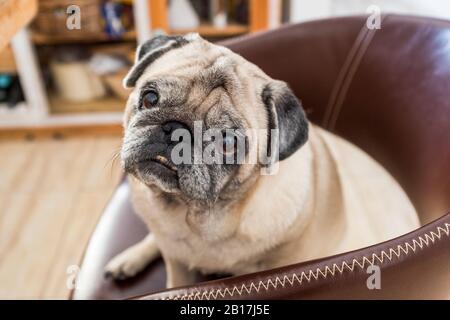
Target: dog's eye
[150, 98]
[229, 144]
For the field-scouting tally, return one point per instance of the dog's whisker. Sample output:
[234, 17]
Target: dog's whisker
[113, 161]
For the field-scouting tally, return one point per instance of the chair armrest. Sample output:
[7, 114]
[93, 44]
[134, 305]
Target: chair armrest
[412, 266]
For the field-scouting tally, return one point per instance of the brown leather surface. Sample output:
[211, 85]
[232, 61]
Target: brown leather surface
[408, 272]
[118, 229]
[386, 91]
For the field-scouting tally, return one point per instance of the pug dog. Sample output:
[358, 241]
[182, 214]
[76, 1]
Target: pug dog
[326, 196]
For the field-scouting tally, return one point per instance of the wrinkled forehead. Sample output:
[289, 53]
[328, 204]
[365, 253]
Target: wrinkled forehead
[198, 75]
[201, 62]
[189, 56]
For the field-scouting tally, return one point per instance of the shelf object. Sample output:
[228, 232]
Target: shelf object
[14, 15]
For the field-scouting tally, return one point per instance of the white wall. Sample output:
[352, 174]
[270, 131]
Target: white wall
[304, 10]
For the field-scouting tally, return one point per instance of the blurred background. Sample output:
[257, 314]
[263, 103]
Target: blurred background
[61, 103]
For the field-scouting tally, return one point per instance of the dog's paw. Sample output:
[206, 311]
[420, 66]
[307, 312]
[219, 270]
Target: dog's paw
[124, 266]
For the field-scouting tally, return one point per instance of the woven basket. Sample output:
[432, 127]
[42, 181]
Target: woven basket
[52, 17]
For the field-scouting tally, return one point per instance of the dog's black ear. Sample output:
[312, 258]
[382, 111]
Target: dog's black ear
[151, 50]
[286, 114]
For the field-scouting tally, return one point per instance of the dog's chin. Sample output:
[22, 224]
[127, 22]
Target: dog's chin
[153, 173]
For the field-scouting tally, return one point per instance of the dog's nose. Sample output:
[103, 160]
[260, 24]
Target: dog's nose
[170, 126]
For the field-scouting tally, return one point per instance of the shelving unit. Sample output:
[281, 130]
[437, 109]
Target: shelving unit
[46, 110]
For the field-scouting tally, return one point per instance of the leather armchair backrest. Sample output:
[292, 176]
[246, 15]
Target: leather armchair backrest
[386, 90]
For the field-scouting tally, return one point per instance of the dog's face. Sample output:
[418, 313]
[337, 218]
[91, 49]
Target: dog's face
[180, 81]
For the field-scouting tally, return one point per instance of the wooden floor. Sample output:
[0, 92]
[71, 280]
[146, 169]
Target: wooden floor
[52, 193]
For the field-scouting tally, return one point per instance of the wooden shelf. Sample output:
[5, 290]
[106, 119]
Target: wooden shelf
[207, 30]
[59, 105]
[7, 61]
[79, 37]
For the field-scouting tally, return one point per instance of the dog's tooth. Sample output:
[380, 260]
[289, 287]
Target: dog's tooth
[161, 158]
[166, 162]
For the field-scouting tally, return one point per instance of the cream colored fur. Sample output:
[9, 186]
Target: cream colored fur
[324, 200]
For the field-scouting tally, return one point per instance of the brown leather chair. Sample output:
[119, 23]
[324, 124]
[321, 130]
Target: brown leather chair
[387, 91]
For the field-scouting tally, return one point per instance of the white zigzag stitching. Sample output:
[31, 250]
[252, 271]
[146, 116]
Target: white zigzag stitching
[294, 278]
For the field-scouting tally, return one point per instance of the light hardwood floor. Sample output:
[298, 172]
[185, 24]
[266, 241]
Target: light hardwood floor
[52, 193]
